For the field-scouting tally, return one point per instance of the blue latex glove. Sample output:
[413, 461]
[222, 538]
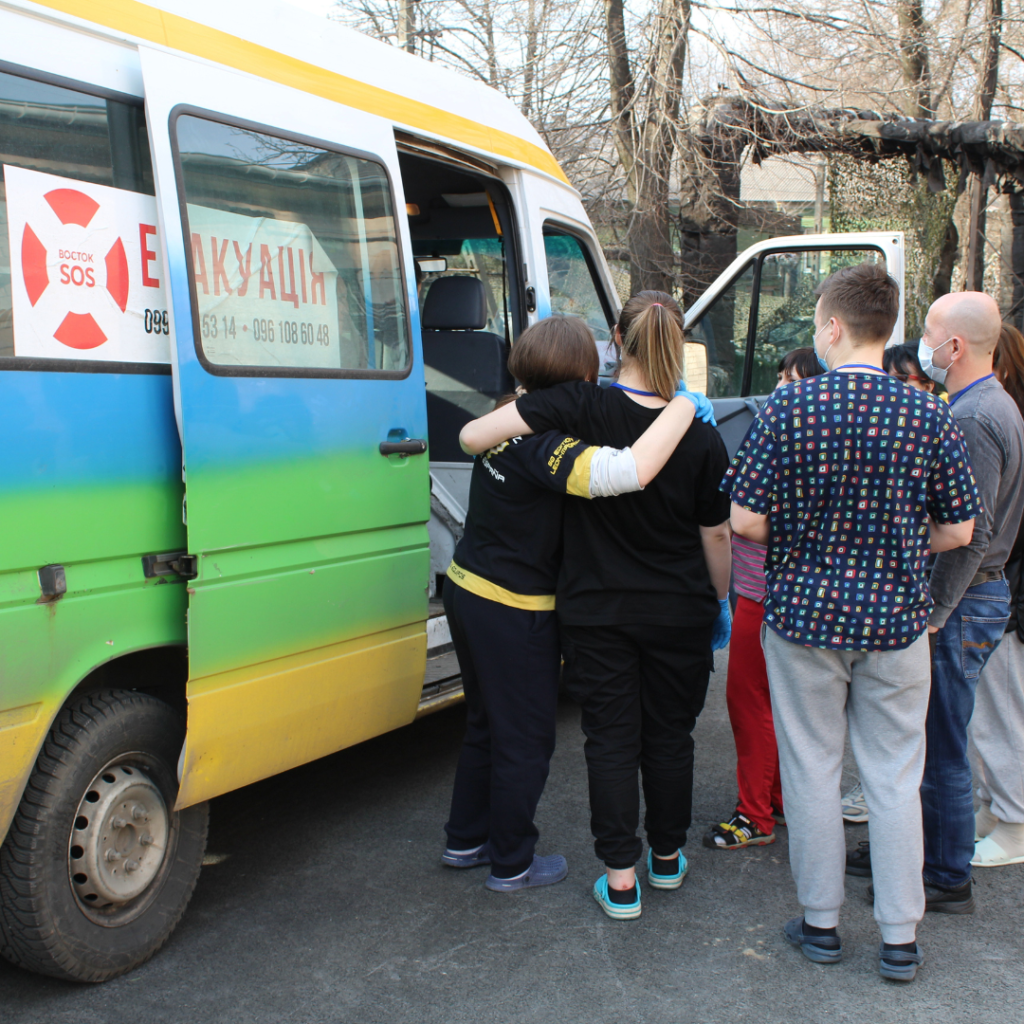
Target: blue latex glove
[705, 411]
[722, 629]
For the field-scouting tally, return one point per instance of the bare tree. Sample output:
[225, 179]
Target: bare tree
[988, 79]
[914, 59]
[645, 119]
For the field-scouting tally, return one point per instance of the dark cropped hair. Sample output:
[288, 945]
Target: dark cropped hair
[902, 359]
[865, 298]
[552, 351]
[802, 361]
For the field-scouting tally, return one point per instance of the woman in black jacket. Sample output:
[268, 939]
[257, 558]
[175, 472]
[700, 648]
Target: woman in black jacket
[641, 595]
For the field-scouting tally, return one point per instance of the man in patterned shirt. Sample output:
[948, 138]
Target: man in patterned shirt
[851, 478]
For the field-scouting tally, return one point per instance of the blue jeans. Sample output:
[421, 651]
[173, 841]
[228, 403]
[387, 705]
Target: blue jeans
[960, 651]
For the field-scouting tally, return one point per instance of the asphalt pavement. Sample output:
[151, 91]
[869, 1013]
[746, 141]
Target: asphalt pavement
[324, 902]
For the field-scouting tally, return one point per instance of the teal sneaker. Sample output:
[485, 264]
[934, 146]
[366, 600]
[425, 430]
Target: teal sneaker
[660, 881]
[616, 911]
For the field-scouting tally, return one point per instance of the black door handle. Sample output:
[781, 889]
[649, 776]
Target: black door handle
[410, 446]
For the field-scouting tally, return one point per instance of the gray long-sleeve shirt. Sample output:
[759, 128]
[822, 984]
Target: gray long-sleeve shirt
[992, 427]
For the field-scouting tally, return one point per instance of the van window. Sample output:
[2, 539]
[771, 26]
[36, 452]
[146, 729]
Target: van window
[723, 331]
[293, 253]
[786, 302]
[462, 227]
[780, 289]
[71, 288]
[575, 291]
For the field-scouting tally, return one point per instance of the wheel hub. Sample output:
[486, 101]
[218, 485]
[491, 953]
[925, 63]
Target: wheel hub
[119, 837]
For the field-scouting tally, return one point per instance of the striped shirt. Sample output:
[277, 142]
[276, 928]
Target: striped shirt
[748, 568]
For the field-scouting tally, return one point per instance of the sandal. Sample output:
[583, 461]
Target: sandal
[738, 831]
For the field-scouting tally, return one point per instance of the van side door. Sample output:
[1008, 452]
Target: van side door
[300, 401]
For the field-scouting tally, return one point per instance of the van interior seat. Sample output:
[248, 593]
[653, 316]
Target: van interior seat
[465, 365]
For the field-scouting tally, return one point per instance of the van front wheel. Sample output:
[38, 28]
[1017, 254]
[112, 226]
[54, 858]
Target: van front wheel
[98, 867]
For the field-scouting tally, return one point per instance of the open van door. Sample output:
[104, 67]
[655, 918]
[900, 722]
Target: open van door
[300, 401]
[762, 307]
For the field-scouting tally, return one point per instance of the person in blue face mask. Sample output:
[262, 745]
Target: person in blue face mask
[968, 585]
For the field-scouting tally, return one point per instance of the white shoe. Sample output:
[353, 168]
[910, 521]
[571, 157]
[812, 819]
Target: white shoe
[855, 808]
[989, 854]
[1003, 845]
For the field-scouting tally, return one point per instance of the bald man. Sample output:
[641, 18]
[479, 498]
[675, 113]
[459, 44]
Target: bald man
[968, 586]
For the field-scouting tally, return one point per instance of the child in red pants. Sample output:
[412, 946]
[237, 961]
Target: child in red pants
[750, 713]
[759, 806]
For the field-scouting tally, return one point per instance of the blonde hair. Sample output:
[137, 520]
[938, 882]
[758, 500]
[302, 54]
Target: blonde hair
[651, 327]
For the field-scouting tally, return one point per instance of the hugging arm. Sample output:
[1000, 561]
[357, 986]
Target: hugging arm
[479, 435]
[653, 448]
[650, 451]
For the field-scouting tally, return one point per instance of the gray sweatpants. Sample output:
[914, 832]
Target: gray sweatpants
[997, 730]
[883, 695]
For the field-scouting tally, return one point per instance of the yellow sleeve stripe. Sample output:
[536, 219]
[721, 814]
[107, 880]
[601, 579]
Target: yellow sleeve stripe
[153, 25]
[578, 483]
[492, 592]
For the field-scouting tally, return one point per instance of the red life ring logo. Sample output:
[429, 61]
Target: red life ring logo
[76, 330]
[89, 267]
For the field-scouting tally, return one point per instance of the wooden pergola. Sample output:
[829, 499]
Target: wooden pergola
[990, 152]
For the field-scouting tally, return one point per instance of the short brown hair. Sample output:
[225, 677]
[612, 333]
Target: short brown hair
[865, 298]
[552, 351]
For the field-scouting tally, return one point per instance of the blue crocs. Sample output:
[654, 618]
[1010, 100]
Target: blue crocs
[467, 858]
[616, 911]
[657, 881]
[543, 871]
[899, 964]
[822, 949]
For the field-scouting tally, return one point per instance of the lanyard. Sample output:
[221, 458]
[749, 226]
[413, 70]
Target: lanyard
[963, 391]
[634, 391]
[862, 366]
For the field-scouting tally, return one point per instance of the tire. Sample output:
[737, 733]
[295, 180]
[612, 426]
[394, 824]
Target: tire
[71, 905]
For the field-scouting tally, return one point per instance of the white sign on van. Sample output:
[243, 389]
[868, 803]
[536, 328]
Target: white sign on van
[267, 291]
[87, 277]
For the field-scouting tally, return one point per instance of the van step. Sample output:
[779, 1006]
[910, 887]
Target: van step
[442, 684]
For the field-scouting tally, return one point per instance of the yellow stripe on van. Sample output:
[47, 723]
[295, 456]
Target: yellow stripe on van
[156, 26]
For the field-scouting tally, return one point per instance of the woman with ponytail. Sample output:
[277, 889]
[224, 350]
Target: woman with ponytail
[641, 599]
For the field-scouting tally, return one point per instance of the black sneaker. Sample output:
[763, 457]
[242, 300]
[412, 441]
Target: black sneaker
[943, 901]
[949, 901]
[859, 861]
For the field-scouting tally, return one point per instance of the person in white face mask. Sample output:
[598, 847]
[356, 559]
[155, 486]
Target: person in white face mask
[968, 585]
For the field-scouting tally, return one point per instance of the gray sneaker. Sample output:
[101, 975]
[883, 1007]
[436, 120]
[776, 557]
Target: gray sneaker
[822, 949]
[543, 871]
[855, 808]
[899, 964]
[475, 858]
